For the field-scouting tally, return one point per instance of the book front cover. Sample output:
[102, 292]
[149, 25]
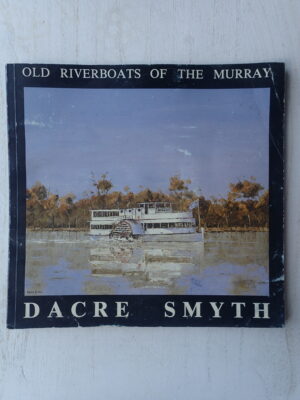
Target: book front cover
[146, 195]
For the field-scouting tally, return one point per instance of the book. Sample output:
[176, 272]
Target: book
[146, 195]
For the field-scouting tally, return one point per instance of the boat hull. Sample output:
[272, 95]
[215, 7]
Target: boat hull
[174, 237]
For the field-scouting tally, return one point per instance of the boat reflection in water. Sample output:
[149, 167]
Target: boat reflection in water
[146, 264]
[230, 263]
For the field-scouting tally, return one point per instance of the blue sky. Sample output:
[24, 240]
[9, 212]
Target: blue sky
[144, 136]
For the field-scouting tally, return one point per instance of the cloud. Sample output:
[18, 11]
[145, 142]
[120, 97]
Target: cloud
[184, 136]
[50, 122]
[35, 123]
[185, 152]
[190, 127]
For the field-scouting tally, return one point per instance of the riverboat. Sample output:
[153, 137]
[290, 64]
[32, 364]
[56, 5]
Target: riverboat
[145, 220]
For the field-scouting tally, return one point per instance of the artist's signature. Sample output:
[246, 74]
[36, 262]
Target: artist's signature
[33, 292]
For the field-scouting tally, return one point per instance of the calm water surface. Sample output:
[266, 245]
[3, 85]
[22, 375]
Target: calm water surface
[69, 263]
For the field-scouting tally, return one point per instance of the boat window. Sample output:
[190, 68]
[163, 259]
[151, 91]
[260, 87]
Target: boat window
[156, 225]
[98, 214]
[101, 226]
[164, 225]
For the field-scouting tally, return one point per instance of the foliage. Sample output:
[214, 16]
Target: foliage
[244, 189]
[102, 185]
[243, 206]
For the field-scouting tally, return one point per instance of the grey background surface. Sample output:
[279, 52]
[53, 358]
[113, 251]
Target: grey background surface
[161, 363]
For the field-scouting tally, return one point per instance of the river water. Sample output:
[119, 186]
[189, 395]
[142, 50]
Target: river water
[70, 263]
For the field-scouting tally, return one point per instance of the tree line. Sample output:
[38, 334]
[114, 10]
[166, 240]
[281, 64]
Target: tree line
[245, 205]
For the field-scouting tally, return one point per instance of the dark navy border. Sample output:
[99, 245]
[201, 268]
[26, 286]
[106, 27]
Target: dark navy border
[145, 310]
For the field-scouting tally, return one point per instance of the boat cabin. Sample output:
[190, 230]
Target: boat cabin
[155, 207]
[146, 218]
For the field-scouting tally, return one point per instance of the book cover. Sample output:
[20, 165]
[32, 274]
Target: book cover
[146, 195]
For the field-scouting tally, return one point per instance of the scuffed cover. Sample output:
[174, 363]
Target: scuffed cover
[145, 195]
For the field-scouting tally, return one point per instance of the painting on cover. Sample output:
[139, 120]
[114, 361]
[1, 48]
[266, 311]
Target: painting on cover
[147, 191]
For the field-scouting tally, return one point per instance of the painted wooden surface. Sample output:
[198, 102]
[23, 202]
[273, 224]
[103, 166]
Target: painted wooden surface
[146, 363]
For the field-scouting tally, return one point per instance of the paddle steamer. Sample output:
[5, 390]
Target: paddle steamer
[151, 218]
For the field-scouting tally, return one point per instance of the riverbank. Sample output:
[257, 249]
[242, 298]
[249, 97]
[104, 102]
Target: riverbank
[239, 229]
[207, 229]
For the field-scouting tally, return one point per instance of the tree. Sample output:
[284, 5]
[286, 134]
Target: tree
[39, 191]
[247, 192]
[178, 185]
[244, 189]
[50, 206]
[180, 190]
[66, 206]
[114, 200]
[103, 185]
[129, 199]
[35, 196]
[262, 208]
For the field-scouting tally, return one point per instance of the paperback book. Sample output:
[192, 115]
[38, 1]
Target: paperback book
[145, 195]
